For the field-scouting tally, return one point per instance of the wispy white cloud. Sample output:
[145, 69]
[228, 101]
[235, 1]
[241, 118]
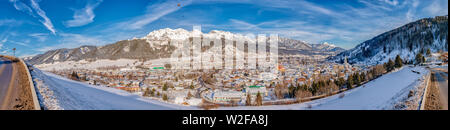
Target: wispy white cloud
[437, 7]
[45, 20]
[20, 6]
[375, 5]
[297, 30]
[4, 40]
[10, 22]
[83, 16]
[243, 25]
[411, 14]
[154, 12]
[353, 26]
[293, 5]
[391, 2]
[3, 50]
[26, 43]
[71, 40]
[41, 37]
[316, 8]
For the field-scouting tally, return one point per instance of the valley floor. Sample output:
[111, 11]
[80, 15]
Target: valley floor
[386, 92]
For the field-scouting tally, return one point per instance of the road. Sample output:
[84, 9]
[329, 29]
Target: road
[442, 81]
[14, 95]
[6, 74]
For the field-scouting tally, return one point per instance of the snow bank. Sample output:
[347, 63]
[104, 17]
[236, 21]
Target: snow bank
[58, 93]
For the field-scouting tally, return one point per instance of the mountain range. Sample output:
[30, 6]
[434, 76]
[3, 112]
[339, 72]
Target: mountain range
[157, 44]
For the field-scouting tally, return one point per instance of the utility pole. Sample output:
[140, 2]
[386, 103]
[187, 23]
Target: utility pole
[14, 51]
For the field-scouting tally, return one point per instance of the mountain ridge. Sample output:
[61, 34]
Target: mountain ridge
[157, 45]
[405, 41]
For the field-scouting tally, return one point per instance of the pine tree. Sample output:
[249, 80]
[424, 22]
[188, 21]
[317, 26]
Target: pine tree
[314, 87]
[165, 87]
[419, 58]
[364, 77]
[248, 101]
[146, 92]
[152, 92]
[258, 99]
[291, 90]
[164, 97]
[423, 59]
[398, 62]
[341, 81]
[350, 82]
[357, 78]
[390, 65]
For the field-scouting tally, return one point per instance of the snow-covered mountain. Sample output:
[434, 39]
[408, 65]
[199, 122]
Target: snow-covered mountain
[158, 44]
[406, 41]
[327, 47]
[63, 54]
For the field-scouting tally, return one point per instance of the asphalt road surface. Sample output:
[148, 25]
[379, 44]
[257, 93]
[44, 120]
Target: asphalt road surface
[6, 86]
[442, 82]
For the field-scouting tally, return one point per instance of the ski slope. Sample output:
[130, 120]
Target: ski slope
[58, 93]
[379, 94]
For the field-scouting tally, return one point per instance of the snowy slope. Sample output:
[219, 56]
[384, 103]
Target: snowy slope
[406, 41]
[382, 93]
[58, 93]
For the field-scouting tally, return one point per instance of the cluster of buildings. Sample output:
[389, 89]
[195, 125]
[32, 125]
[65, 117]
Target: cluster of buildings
[225, 86]
[237, 84]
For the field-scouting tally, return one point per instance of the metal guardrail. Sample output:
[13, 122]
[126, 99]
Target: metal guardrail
[425, 93]
[32, 88]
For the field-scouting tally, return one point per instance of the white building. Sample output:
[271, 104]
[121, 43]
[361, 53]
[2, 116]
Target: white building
[226, 96]
[254, 90]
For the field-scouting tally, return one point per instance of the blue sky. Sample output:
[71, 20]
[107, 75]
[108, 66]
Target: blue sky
[36, 26]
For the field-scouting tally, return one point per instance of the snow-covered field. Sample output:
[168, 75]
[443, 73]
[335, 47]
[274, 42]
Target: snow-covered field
[379, 94]
[58, 93]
